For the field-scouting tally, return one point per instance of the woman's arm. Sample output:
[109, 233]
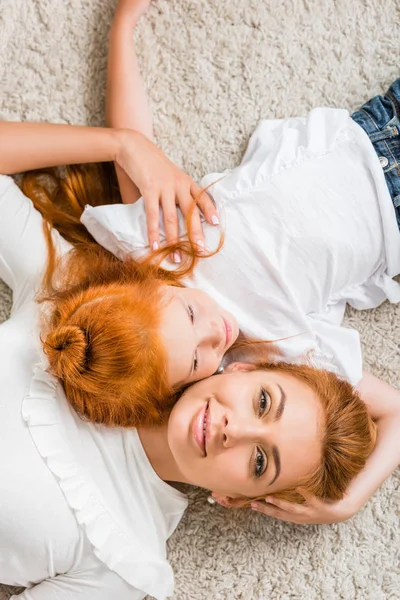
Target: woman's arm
[383, 402]
[127, 106]
[27, 146]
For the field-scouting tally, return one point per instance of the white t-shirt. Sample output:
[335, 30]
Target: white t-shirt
[83, 516]
[309, 225]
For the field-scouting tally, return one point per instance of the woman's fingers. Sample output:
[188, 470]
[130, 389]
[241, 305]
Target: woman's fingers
[274, 511]
[205, 203]
[289, 507]
[271, 511]
[187, 205]
[152, 206]
[170, 217]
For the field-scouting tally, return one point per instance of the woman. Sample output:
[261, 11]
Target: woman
[86, 509]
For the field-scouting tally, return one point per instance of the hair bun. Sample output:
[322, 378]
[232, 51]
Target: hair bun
[66, 349]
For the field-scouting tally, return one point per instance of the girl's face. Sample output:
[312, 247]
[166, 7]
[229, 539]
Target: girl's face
[196, 332]
[247, 433]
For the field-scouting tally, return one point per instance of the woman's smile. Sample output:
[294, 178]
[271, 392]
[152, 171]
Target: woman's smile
[200, 428]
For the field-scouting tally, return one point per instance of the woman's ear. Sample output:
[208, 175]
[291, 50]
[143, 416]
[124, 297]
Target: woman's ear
[239, 366]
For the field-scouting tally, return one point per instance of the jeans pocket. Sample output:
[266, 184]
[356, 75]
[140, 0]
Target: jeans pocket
[391, 131]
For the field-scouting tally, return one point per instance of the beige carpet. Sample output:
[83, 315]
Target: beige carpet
[213, 68]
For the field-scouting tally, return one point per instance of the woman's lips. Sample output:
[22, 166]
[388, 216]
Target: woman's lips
[228, 332]
[198, 429]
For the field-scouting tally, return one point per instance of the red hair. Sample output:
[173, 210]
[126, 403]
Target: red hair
[348, 434]
[101, 323]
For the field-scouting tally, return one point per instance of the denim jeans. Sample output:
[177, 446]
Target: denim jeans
[380, 119]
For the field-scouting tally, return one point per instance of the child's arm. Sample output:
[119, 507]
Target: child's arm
[126, 100]
[383, 402]
[127, 106]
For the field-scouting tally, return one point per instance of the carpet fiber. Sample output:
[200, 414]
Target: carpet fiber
[213, 69]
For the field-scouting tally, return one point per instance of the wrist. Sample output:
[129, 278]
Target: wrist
[125, 20]
[116, 143]
[348, 507]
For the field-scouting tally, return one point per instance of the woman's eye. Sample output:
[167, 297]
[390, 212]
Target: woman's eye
[259, 463]
[195, 362]
[264, 403]
[191, 313]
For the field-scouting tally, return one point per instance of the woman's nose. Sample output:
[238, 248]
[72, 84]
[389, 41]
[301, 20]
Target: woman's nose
[240, 431]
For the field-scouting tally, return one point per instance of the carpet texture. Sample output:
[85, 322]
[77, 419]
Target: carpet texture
[213, 68]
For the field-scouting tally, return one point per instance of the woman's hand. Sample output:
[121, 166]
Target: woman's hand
[313, 512]
[162, 183]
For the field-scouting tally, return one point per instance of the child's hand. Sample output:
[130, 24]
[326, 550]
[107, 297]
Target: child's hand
[132, 9]
[162, 183]
[313, 511]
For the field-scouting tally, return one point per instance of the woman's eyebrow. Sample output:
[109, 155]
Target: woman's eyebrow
[277, 461]
[275, 451]
[281, 407]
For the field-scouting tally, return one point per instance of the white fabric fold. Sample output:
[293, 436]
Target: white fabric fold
[120, 550]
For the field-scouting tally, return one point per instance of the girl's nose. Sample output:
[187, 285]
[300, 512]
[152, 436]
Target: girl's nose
[213, 334]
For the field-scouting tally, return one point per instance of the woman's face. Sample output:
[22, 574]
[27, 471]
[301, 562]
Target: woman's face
[196, 332]
[246, 433]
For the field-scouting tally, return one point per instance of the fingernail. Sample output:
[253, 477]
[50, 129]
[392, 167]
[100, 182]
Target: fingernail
[201, 246]
[214, 220]
[211, 500]
[155, 246]
[177, 257]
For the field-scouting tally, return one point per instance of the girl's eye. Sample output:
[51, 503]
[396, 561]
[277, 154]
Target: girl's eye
[259, 463]
[191, 313]
[264, 403]
[195, 362]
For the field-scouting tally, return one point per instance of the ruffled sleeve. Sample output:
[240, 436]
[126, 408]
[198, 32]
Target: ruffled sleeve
[121, 551]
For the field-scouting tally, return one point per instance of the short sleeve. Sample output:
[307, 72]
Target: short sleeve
[23, 251]
[92, 580]
[338, 349]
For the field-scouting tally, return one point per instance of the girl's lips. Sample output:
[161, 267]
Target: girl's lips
[198, 429]
[228, 332]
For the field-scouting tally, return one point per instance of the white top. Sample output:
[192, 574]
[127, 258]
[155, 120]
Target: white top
[309, 225]
[83, 516]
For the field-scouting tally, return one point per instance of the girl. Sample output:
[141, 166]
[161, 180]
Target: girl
[86, 509]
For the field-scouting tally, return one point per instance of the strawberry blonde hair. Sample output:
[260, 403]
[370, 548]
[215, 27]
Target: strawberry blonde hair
[102, 316]
[348, 435]
[101, 334]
